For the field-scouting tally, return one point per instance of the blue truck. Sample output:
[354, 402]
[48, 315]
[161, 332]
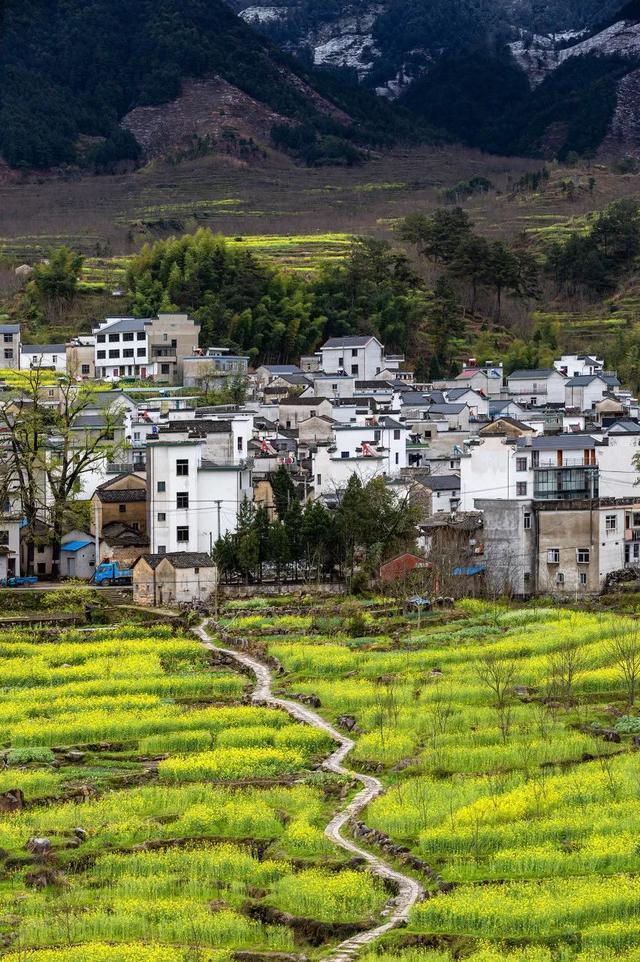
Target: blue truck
[14, 582]
[110, 573]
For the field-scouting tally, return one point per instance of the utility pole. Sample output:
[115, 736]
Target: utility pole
[218, 504]
[96, 522]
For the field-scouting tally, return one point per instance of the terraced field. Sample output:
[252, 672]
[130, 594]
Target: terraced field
[152, 811]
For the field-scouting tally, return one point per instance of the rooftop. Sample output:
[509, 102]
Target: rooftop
[179, 559]
[43, 348]
[537, 372]
[353, 341]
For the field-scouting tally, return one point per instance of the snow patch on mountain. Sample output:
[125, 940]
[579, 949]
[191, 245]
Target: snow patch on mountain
[258, 15]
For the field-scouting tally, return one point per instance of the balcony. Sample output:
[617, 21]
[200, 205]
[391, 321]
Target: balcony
[552, 463]
[566, 483]
[166, 353]
[632, 534]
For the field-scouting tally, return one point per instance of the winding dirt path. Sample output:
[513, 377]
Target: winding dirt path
[409, 890]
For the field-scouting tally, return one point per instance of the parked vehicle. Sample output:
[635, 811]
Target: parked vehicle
[110, 573]
[18, 582]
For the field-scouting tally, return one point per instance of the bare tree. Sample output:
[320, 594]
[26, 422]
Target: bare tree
[499, 676]
[624, 650]
[563, 669]
[46, 449]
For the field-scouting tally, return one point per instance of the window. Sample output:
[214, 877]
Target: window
[8, 354]
[527, 577]
[583, 578]
[397, 458]
[42, 568]
[162, 549]
[196, 571]
[319, 480]
[114, 354]
[521, 489]
[240, 444]
[4, 537]
[182, 468]
[583, 556]
[334, 387]
[182, 534]
[140, 335]
[611, 522]
[101, 338]
[174, 343]
[127, 352]
[135, 525]
[354, 352]
[521, 464]
[560, 578]
[162, 517]
[182, 499]
[553, 556]
[354, 368]
[165, 368]
[136, 435]
[128, 336]
[86, 368]
[526, 521]
[54, 358]
[113, 338]
[396, 435]
[141, 352]
[122, 508]
[340, 362]
[165, 337]
[162, 486]
[102, 355]
[344, 454]
[8, 339]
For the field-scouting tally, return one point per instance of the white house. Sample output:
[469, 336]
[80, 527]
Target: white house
[122, 348]
[477, 403]
[487, 380]
[583, 392]
[362, 357]
[368, 450]
[192, 500]
[33, 356]
[578, 365]
[538, 387]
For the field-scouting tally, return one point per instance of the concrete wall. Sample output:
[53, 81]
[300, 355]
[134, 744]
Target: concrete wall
[509, 547]
[568, 530]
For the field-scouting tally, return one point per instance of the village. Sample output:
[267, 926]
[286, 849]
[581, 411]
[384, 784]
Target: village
[521, 484]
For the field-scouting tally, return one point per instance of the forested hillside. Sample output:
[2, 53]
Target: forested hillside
[69, 71]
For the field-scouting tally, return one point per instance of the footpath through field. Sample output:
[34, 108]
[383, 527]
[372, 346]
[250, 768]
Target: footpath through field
[409, 890]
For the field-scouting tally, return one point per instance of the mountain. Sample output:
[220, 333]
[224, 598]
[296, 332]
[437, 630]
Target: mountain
[389, 43]
[100, 82]
[510, 76]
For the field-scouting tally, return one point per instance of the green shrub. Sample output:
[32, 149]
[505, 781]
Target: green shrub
[22, 756]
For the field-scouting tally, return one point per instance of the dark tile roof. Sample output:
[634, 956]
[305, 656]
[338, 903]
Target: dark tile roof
[281, 368]
[446, 408]
[442, 482]
[122, 324]
[303, 402]
[197, 425]
[538, 372]
[122, 496]
[581, 380]
[179, 559]
[563, 442]
[43, 348]
[119, 535]
[348, 341]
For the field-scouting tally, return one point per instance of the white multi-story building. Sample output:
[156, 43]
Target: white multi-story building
[122, 348]
[376, 449]
[192, 500]
[577, 365]
[538, 387]
[360, 357]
